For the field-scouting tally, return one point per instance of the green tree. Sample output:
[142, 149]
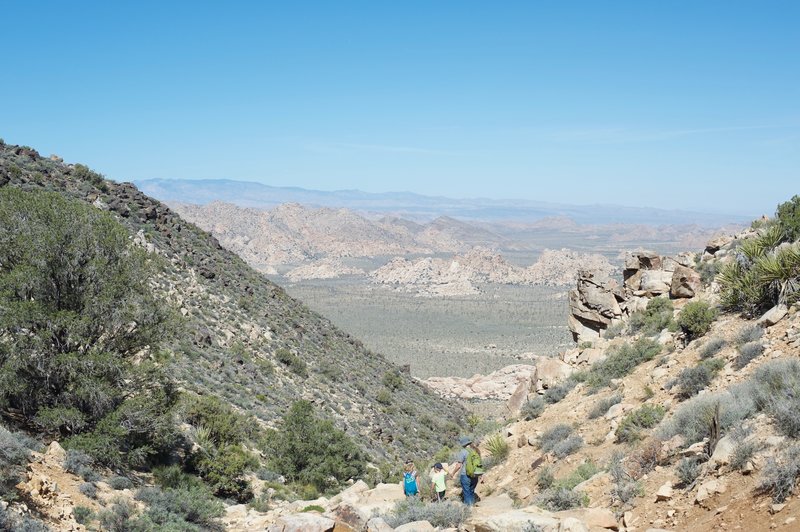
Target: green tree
[788, 215]
[312, 450]
[75, 312]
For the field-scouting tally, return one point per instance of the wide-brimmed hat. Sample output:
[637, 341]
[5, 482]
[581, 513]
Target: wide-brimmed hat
[463, 441]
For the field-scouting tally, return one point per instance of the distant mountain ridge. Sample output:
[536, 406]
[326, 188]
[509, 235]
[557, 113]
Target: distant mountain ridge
[418, 207]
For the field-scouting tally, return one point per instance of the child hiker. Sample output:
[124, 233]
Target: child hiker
[410, 487]
[438, 482]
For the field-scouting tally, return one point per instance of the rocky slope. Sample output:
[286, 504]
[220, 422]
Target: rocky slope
[704, 466]
[234, 321]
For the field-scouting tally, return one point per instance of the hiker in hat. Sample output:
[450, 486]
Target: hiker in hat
[470, 469]
[438, 482]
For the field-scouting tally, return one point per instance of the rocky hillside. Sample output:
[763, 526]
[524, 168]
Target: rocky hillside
[240, 336]
[294, 234]
[680, 412]
[463, 274]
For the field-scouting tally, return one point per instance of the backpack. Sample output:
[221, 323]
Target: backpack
[409, 483]
[474, 464]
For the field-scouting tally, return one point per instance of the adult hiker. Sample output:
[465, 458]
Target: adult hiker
[470, 469]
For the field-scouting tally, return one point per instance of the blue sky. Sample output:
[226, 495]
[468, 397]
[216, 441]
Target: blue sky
[690, 105]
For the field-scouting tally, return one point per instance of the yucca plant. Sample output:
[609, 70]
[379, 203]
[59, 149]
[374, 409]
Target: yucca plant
[497, 447]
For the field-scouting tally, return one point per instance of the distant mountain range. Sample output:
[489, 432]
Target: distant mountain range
[418, 207]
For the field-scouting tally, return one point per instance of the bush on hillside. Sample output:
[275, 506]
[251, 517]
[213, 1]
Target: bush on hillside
[687, 469]
[557, 499]
[779, 478]
[631, 426]
[749, 333]
[712, 347]
[655, 318]
[446, 514]
[692, 380]
[696, 318]
[70, 276]
[223, 425]
[621, 361]
[748, 352]
[224, 470]
[14, 451]
[532, 408]
[311, 450]
[556, 393]
[601, 407]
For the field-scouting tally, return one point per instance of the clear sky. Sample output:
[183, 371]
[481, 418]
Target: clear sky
[691, 105]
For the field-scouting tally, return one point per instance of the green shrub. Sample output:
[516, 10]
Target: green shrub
[558, 499]
[747, 352]
[779, 478]
[601, 406]
[631, 426]
[225, 469]
[224, 426]
[313, 508]
[82, 515]
[532, 408]
[292, 361]
[657, 316]
[392, 379]
[696, 318]
[497, 447]
[447, 514]
[788, 215]
[621, 361]
[178, 508]
[311, 450]
[712, 347]
[545, 479]
[692, 380]
[72, 278]
[687, 470]
[583, 472]
[120, 483]
[384, 397]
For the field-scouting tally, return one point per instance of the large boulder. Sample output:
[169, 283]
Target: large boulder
[551, 371]
[303, 522]
[382, 497]
[685, 282]
[593, 305]
[514, 521]
[656, 282]
[594, 518]
[416, 526]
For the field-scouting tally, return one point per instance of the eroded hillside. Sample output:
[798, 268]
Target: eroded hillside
[240, 336]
